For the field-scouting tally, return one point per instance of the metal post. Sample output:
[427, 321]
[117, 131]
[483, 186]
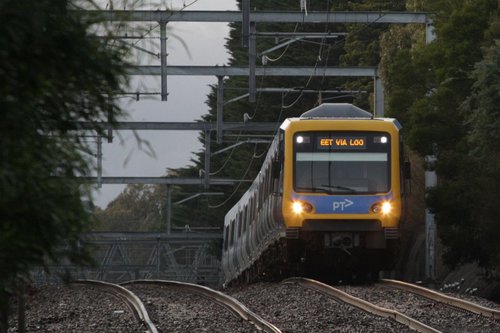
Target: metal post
[99, 161]
[110, 128]
[169, 209]
[158, 257]
[207, 159]
[430, 35]
[163, 59]
[379, 97]
[430, 224]
[252, 54]
[220, 108]
[245, 20]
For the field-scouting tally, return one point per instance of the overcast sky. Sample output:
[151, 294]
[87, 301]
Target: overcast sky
[186, 102]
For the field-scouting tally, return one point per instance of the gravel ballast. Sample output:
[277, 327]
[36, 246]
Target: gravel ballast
[58, 308]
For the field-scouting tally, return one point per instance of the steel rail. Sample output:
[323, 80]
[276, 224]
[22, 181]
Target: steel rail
[216, 296]
[362, 304]
[442, 298]
[131, 300]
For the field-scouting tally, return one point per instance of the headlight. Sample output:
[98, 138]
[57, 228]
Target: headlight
[300, 207]
[384, 207]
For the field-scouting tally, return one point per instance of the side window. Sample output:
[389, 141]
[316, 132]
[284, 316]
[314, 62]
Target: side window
[241, 218]
[259, 195]
[267, 183]
[252, 208]
[231, 233]
[246, 220]
[226, 228]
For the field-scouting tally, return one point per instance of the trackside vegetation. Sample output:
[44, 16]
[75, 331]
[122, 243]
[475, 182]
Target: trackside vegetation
[52, 75]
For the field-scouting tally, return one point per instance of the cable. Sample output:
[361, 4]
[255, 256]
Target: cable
[239, 183]
[284, 51]
[186, 6]
[227, 159]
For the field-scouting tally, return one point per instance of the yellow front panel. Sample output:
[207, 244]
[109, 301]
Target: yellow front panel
[340, 201]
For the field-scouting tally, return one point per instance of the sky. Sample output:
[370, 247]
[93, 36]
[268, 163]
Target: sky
[186, 102]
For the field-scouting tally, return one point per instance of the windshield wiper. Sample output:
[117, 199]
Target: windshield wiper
[337, 187]
[329, 189]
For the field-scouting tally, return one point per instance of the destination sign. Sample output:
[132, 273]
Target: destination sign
[342, 142]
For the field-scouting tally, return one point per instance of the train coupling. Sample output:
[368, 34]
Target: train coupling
[341, 240]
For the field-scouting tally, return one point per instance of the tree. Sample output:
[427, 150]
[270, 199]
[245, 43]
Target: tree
[444, 95]
[52, 74]
[138, 208]
[473, 236]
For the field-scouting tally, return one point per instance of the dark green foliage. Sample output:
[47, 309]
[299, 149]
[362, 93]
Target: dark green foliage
[447, 95]
[52, 75]
[483, 141]
[442, 125]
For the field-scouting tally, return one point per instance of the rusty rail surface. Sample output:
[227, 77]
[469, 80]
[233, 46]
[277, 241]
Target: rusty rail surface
[133, 302]
[362, 304]
[215, 296]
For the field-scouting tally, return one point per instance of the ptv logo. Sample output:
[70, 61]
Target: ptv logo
[341, 205]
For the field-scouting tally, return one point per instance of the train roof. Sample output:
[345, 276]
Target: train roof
[336, 110]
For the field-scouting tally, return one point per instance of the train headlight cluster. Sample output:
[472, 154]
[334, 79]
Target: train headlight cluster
[300, 207]
[384, 207]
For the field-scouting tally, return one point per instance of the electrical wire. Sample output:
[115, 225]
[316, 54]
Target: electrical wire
[227, 159]
[239, 183]
[284, 51]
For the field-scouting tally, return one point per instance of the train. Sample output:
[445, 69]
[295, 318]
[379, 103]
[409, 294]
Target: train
[328, 199]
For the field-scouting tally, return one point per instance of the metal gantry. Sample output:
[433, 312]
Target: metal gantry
[249, 19]
[180, 255]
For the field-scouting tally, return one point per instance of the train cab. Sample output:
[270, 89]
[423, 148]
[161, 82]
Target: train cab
[341, 178]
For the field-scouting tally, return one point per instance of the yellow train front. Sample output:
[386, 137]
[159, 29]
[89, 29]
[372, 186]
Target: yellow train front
[341, 189]
[328, 199]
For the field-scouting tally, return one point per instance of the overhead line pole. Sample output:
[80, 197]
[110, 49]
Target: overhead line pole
[252, 54]
[163, 56]
[220, 108]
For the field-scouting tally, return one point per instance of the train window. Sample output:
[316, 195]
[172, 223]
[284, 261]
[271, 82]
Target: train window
[226, 228]
[245, 219]
[234, 230]
[261, 190]
[265, 182]
[251, 209]
[342, 162]
[231, 236]
[240, 222]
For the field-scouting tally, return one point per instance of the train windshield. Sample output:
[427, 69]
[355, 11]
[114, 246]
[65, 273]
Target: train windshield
[342, 162]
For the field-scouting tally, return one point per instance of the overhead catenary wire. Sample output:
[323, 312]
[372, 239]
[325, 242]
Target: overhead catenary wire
[239, 183]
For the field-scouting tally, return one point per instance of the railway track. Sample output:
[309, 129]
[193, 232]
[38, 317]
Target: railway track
[129, 298]
[296, 305]
[177, 301]
[439, 297]
[362, 304]
[295, 309]
[441, 312]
